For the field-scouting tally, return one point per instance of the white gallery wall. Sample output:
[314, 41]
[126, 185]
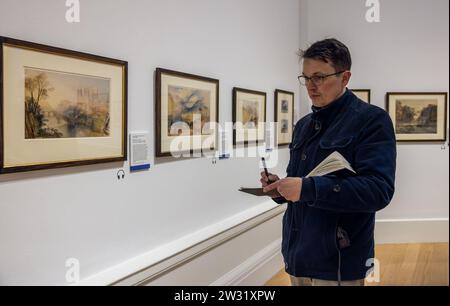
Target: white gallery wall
[408, 51]
[49, 216]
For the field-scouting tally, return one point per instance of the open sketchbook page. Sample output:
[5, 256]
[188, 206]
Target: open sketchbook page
[334, 162]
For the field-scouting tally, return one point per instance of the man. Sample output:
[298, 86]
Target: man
[328, 227]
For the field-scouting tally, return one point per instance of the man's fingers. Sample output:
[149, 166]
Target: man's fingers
[273, 178]
[264, 176]
[263, 182]
[272, 186]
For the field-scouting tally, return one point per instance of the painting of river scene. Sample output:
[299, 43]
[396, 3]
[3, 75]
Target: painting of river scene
[65, 105]
[416, 116]
[190, 106]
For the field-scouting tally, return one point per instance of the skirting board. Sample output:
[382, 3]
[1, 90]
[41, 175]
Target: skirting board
[256, 270]
[411, 231]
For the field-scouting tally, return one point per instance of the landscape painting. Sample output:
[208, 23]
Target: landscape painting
[416, 116]
[186, 113]
[250, 114]
[65, 105]
[60, 108]
[191, 106]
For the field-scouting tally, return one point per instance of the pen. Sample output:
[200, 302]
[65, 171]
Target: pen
[265, 170]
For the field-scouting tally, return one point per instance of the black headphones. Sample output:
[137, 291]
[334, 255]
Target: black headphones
[120, 174]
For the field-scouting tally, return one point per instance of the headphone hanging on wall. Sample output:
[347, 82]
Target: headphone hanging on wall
[120, 174]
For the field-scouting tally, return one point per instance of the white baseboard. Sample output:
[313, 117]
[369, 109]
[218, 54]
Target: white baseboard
[256, 270]
[264, 272]
[411, 231]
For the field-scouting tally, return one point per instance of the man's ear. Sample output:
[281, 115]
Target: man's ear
[346, 78]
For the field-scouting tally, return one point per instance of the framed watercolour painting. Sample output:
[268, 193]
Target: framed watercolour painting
[284, 116]
[60, 108]
[249, 116]
[186, 113]
[363, 94]
[418, 116]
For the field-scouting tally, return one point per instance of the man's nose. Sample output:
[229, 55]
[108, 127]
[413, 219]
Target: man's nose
[310, 85]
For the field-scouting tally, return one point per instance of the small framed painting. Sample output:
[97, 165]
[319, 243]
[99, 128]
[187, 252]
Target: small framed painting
[60, 108]
[284, 116]
[187, 113]
[249, 116]
[363, 94]
[418, 116]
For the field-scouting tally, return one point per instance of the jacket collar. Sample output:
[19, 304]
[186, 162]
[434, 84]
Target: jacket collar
[327, 113]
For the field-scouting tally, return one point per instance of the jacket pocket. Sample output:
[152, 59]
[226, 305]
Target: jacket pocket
[343, 145]
[316, 249]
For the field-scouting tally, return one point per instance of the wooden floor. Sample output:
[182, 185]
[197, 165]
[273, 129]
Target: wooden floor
[402, 265]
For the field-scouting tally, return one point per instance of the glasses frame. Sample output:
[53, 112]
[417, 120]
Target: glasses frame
[317, 80]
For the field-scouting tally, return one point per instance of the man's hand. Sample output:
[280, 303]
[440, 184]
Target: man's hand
[290, 188]
[266, 181]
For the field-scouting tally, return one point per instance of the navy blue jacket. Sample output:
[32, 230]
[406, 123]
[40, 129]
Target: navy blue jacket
[329, 233]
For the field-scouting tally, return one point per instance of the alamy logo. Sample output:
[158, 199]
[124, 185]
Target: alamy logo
[373, 274]
[73, 271]
[373, 13]
[73, 11]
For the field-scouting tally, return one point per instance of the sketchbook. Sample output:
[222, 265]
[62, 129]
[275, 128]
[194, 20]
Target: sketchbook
[333, 163]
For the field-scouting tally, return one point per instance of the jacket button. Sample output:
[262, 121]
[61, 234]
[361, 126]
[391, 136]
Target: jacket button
[317, 126]
[303, 156]
[337, 188]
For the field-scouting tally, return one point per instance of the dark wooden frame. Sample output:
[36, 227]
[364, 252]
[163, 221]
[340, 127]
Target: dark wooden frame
[159, 72]
[279, 91]
[234, 110]
[364, 90]
[388, 94]
[71, 54]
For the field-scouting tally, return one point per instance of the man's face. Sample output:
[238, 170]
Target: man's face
[331, 88]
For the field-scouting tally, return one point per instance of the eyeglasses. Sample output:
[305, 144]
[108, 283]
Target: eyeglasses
[316, 79]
